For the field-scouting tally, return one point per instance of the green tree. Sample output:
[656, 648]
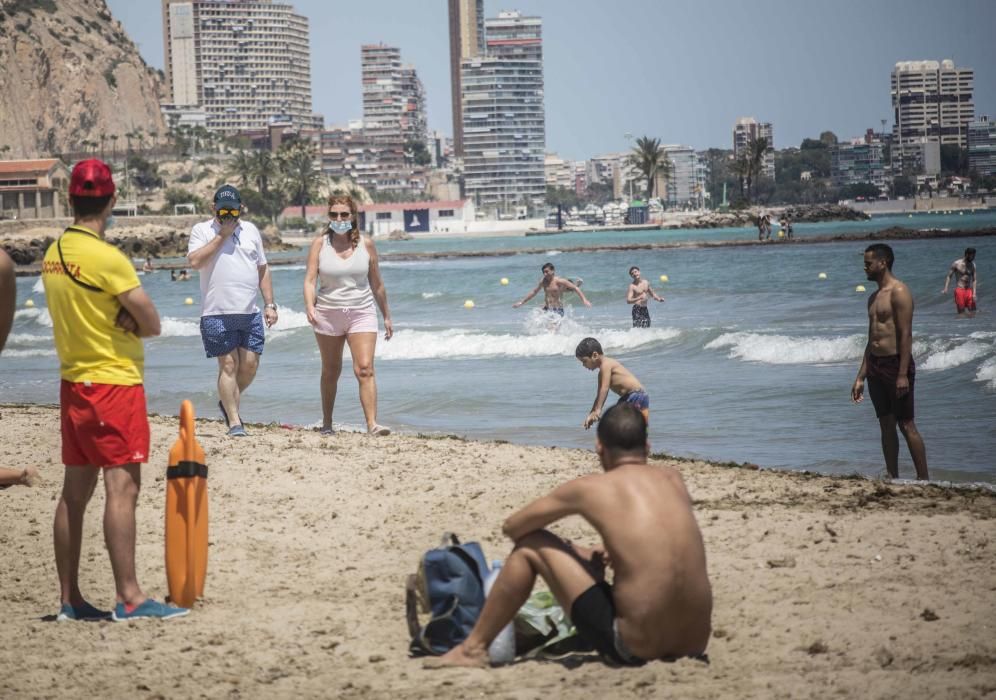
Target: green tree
[954, 159]
[860, 189]
[241, 166]
[903, 186]
[828, 138]
[263, 167]
[417, 153]
[649, 159]
[300, 176]
[756, 149]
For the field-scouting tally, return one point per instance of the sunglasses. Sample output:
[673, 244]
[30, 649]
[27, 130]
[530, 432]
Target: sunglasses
[228, 212]
[341, 215]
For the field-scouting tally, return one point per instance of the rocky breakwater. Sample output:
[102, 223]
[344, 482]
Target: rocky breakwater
[740, 218]
[138, 237]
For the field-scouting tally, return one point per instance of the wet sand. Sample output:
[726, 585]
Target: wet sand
[823, 586]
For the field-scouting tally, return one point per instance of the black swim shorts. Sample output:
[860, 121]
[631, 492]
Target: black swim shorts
[882, 372]
[559, 310]
[594, 616]
[641, 316]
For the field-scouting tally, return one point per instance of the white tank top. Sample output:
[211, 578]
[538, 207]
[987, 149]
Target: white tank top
[343, 284]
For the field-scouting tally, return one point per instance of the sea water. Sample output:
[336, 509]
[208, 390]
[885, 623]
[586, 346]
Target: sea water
[750, 357]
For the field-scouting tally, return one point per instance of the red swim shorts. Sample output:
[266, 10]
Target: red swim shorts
[103, 425]
[964, 299]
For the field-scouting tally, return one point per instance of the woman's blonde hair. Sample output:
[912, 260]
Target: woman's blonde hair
[354, 235]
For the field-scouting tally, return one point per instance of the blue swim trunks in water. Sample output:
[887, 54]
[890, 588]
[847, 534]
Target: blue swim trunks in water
[223, 333]
[559, 310]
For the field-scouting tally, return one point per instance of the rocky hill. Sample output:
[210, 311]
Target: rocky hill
[69, 73]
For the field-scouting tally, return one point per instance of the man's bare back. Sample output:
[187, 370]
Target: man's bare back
[660, 587]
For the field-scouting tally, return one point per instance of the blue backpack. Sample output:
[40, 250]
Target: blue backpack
[449, 587]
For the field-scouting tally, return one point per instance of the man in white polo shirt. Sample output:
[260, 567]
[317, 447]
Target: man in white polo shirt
[229, 254]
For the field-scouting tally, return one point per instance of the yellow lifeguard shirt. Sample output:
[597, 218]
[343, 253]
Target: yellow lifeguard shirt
[91, 348]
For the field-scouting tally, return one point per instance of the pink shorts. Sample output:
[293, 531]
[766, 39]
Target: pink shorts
[346, 321]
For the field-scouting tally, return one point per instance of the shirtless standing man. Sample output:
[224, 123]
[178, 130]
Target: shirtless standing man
[552, 287]
[964, 270]
[659, 604]
[637, 294]
[888, 361]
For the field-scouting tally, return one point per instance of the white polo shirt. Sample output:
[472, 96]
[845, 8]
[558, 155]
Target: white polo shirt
[230, 279]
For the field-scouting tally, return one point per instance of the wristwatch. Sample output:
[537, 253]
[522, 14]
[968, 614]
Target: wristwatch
[271, 306]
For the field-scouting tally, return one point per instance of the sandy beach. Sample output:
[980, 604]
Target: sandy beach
[823, 586]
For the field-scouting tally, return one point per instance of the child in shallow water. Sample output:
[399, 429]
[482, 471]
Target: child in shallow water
[611, 375]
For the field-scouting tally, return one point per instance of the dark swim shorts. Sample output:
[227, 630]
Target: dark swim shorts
[882, 374]
[223, 333]
[638, 398]
[594, 616]
[559, 310]
[641, 316]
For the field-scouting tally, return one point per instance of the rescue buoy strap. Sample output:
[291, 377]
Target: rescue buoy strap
[186, 469]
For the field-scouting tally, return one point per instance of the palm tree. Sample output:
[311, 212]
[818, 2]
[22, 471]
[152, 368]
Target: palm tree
[114, 146]
[242, 167]
[297, 163]
[263, 167]
[756, 149]
[741, 168]
[648, 158]
[103, 138]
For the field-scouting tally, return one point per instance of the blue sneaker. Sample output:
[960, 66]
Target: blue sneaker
[85, 612]
[149, 608]
[237, 431]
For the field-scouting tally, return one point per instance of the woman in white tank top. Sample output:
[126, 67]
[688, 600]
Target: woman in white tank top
[343, 264]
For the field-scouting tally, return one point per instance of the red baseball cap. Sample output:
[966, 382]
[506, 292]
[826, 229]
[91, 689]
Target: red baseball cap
[91, 178]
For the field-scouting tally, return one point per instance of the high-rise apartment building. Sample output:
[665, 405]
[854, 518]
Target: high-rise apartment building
[748, 129]
[982, 146]
[242, 63]
[504, 124]
[394, 115]
[466, 41]
[686, 181]
[932, 100]
[860, 161]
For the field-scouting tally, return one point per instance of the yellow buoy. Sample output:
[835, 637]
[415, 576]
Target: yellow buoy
[188, 301]
[822, 275]
[504, 280]
[781, 233]
[469, 304]
[663, 278]
[909, 216]
[860, 288]
[29, 303]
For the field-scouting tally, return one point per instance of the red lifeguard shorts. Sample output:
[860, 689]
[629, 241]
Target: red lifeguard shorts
[964, 299]
[103, 425]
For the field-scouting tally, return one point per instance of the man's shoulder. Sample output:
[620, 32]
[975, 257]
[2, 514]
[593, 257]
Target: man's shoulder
[203, 227]
[250, 227]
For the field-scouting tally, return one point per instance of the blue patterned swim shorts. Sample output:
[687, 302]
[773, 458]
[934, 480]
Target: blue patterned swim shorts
[223, 333]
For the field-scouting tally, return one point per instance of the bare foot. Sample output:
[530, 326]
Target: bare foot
[459, 656]
[29, 477]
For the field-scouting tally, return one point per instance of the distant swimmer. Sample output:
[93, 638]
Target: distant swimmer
[147, 265]
[637, 294]
[611, 375]
[659, 604]
[553, 287]
[963, 269]
[888, 361]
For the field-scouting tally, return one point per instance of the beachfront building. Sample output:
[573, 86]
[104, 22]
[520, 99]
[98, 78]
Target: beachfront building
[243, 63]
[748, 129]
[685, 185]
[32, 189]
[982, 146]
[466, 41]
[504, 126]
[394, 119]
[932, 100]
[857, 162]
[448, 216]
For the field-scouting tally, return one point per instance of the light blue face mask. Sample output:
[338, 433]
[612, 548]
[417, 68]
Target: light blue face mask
[339, 226]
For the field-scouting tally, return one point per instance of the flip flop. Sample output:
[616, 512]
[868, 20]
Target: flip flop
[380, 430]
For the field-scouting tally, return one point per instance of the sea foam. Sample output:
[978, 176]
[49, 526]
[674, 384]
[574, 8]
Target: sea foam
[788, 350]
[960, 354]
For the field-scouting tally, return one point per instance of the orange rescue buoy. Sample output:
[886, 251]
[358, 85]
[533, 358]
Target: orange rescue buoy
[186, 514]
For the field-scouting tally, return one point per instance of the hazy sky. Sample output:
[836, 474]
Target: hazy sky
[680, 71]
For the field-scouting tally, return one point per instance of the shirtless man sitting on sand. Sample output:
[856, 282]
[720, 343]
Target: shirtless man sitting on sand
[659, 604]
[552, 287]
